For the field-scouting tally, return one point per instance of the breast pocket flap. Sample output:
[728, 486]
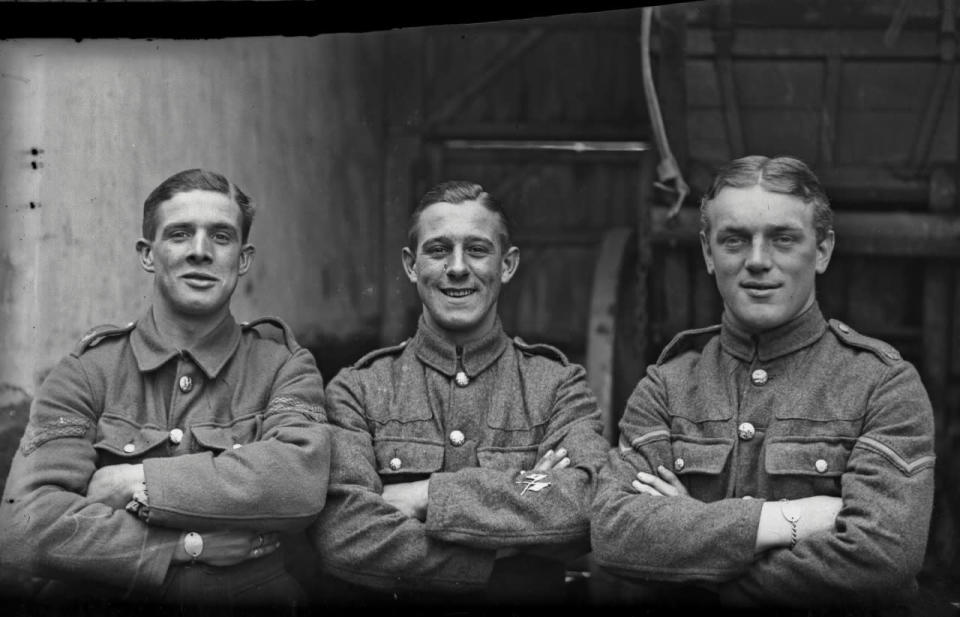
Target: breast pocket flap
[407, 457]
[703, 457]
[807, 458]
[120, 437]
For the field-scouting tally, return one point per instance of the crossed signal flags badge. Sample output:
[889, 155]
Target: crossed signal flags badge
[533, 482]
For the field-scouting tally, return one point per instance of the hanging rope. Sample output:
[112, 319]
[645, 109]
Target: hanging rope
[667, 170]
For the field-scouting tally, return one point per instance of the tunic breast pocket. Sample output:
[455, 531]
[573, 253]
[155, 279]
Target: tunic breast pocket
[804, 466]
[217, 438]
[700, 463]
[120, 440]
[398, 458]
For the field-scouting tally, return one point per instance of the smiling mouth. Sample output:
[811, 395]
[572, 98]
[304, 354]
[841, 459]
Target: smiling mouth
[751, 286]
[458, 293]
[197, 279]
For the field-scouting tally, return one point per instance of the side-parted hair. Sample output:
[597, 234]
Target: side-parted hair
[192, 180]
[458, 192]
[782, 174]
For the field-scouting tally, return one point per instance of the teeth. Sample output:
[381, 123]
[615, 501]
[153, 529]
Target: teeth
[457, 293]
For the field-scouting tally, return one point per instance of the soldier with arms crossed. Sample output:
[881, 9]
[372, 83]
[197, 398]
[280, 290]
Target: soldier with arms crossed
[778, 458]
[464, 460]
[163, 459]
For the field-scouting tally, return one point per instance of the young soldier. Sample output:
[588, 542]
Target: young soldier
[464, 460]
[162, 459]
[777, 458]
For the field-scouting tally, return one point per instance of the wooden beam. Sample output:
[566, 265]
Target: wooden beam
[602, 327]
[780, 43]
[894, 234]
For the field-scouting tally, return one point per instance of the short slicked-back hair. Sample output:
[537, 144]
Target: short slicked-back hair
[193, 180]
[782, 174]
[458, 192]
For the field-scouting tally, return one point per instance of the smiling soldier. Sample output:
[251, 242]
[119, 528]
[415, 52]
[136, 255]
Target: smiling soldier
[163, 459]
[777, 458]
[464, 461]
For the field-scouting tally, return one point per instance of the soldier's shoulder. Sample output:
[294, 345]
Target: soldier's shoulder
[540, 349]
[688, 340]
[370, 358]
[851, 338]
[98, 334]
[271, 328]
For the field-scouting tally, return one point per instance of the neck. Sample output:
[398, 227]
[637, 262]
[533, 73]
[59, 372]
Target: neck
[458, 338]
[182, 331]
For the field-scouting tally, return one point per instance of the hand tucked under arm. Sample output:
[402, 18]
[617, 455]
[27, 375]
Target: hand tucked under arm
[408, 497]
[553, 460]
[114, 485]
[668, 484]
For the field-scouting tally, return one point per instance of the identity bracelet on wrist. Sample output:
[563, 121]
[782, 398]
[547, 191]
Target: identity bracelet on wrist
[793, 519]
[193, 544]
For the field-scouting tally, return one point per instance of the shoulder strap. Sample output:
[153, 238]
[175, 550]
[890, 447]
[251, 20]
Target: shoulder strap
[850, 337]
[687, 340]
[540, 349]
[368, 359]
[288, 338]
[94, 335]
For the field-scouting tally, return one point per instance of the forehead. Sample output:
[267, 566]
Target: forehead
[198, 207]
[757, 208]
[453, 221]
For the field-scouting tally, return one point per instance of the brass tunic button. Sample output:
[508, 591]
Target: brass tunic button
[186, 384]
[678, 464]
[176, 436]
[396, 463]
[746, 431]
[759, 377]
[821, 465]
[129, 448]
[462, 379]
[457, 438]
[748, 497]
[237, 446]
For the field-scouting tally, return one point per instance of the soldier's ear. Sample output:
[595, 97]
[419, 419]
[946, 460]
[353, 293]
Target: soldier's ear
[825, 251]
[707, 253]
[409, 261]
[145, 252]
[509, 263]
[246, 258]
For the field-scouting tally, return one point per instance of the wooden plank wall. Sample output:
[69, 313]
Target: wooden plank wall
[559, 78]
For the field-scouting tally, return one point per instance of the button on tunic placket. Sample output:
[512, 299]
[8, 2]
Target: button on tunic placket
[748, 430]
[187, 386]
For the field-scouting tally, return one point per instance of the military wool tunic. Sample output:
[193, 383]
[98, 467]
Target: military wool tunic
[231, 433]
[474, 420]
[809, 408]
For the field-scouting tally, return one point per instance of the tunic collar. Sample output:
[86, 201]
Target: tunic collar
[210, 353]
[801, 331]
[435, 351]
